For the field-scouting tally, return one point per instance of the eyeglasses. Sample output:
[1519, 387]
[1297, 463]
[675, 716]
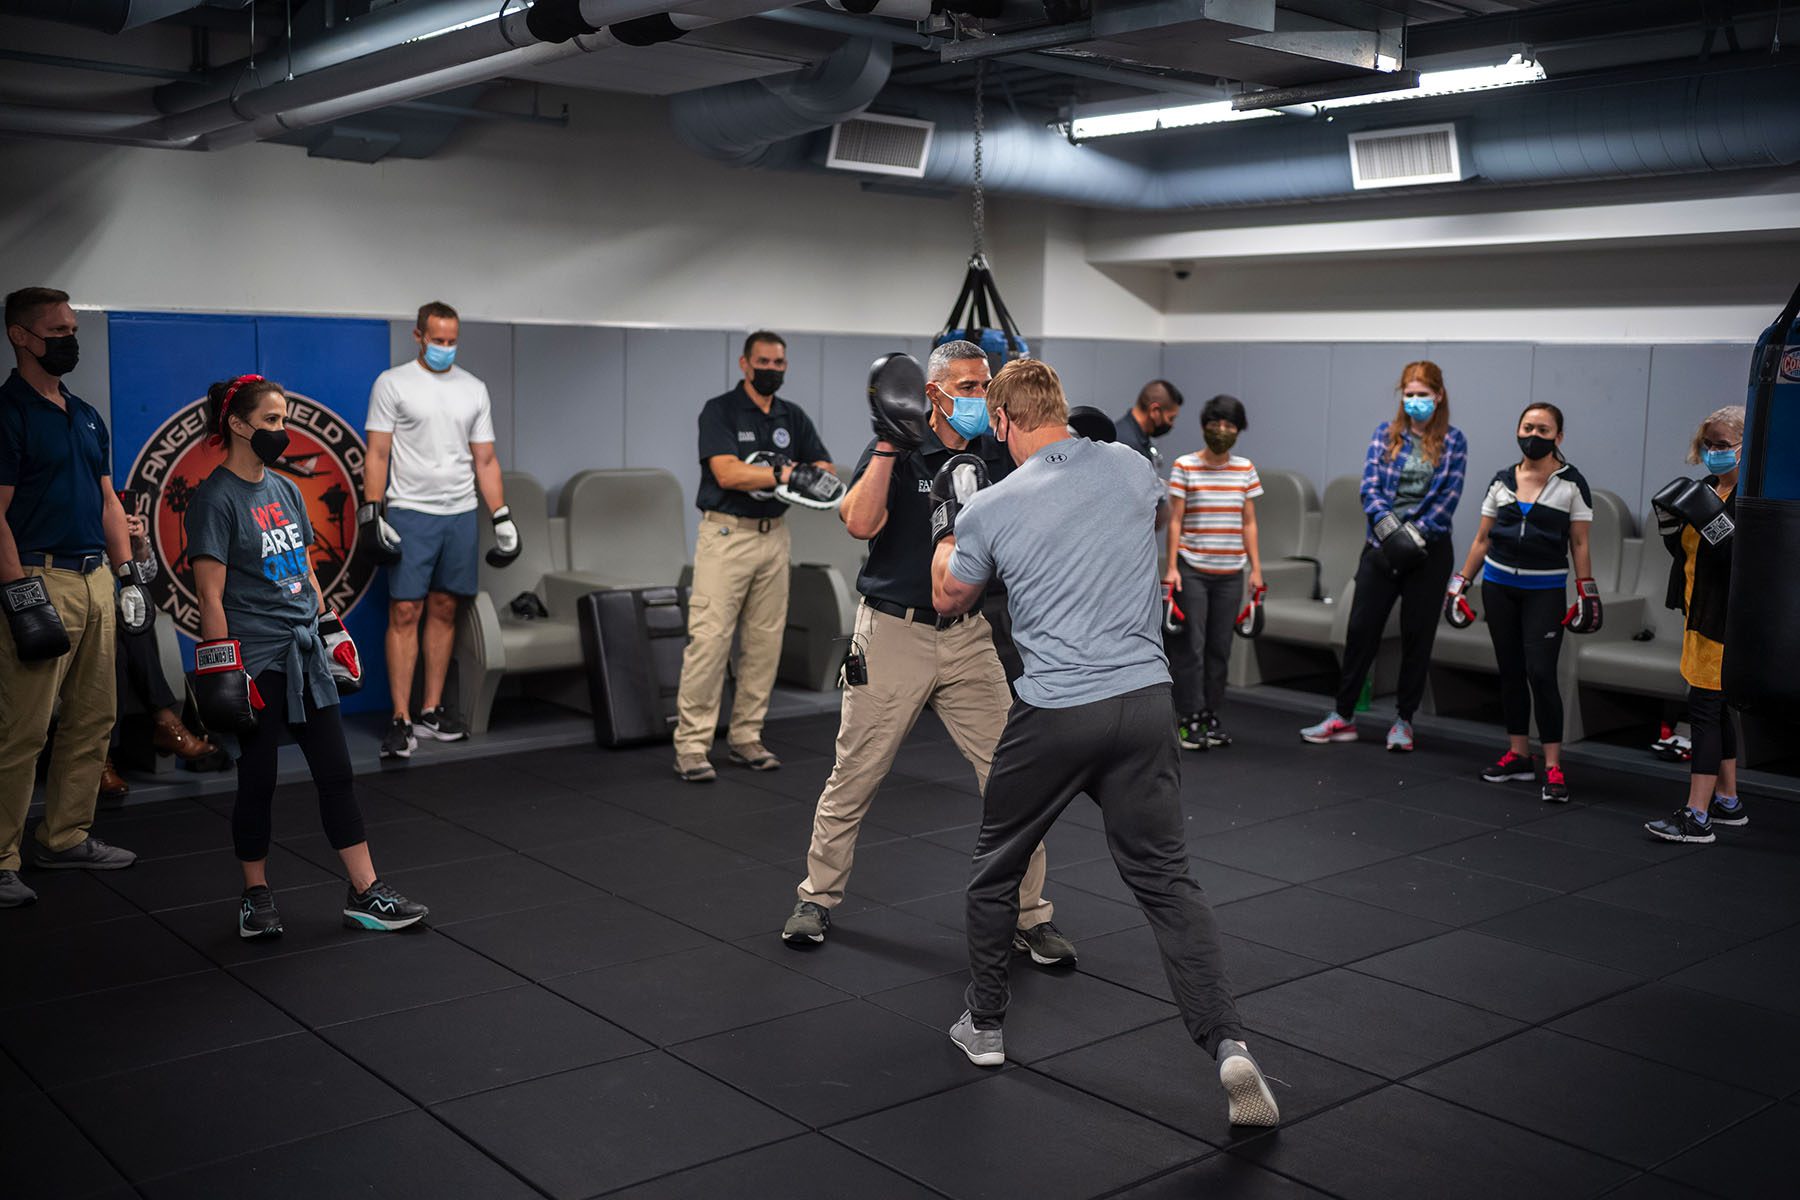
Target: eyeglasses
[1709, 445]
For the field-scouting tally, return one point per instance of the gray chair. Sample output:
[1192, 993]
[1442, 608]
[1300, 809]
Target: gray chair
[626, 528]
[821, 597]
[1615, 661]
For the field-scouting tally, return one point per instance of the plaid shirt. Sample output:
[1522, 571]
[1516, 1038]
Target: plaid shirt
[1381, 480]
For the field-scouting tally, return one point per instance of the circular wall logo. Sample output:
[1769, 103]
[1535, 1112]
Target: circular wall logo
[324, 460]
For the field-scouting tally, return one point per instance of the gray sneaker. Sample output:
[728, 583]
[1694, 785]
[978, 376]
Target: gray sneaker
[13, 892]
[1046, 945]
[985, 1047]
[807, 924]
[1252, 1103]
[695, 768]
[91, 854]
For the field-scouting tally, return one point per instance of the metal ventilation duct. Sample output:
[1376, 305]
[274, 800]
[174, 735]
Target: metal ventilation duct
[108, 16]
[738, 122]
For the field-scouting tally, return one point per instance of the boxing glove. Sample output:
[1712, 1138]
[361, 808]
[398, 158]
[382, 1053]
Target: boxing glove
[898, 409]
[340, 654]
[506, 538]
[373, 530]
[1402, 546]
[771, 460]
[1174, 620]
[1693, 502]
[1585, 615]
[811, 486]
[1456, 605]
[1088, 422]
[954, 485]
[135, 610]
[224, 693]
[37, 627]
[1250, 621]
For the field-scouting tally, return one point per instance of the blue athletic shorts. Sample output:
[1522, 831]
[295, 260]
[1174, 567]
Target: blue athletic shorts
[437, 554]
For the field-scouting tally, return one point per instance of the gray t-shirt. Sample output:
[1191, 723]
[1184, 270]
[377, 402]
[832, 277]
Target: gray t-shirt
[1415, 480]
[1072, 534]
[261, 533]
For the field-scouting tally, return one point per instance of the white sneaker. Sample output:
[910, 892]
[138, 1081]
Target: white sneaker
[1252, 1103]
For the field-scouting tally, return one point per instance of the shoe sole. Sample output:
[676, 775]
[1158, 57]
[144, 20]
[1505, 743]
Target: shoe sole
[706, 776]
[1187, 745]
[1328, 738]
[24, 903]
[1515, 777]
[990, 1058]
[436, 736]
[411, 745]
[259, 935]
[359, 920]
[1549, 799]
[765, 765]
[42, 865]
[1402, 748]
[1734, 822]
[1020, 945]
[803, 939]
[1679, 837]
[1251, 1101]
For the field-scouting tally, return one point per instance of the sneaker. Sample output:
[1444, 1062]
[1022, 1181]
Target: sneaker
[808, 924]
[1215, 732]
[1247, 1092]
[13, 891]
[91, 854]
[257, 917]
[381, 907]
[1727, 810]
[1684, 826]
[985, 1047]
[695, 768]
[754, 755]
[1556, 788]
[1510, 767]
[1190, 731]
[1400, 737]
[1046, 945]
[1672, 747]
[1332, 729]
[441, 725]
[398, 741]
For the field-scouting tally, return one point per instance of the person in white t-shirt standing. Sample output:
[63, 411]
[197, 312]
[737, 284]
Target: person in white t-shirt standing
[431, 448]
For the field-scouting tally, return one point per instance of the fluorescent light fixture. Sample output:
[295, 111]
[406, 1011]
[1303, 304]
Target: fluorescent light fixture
[457, 28]
[1510, 73]
[1144, 120]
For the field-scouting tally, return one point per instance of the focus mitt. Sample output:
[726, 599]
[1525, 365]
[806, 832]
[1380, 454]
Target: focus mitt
[811, 486]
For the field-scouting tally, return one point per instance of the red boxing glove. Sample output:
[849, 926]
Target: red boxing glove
[1456, 608]
[1174, 620]
[224, 693]
[1250, 621]
[1585, 615]
[346, 667]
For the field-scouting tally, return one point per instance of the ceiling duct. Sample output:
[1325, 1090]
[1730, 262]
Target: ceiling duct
[738, 122]
[108, 16]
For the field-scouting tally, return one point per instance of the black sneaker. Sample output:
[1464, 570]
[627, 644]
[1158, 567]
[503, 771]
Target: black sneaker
[398, 741]
[1190, 731]
[1727, 810]
[1046, 945]
[257, 917]
[381, 908]
[1684, 826]
[440, 724]
[1215, 732]
[1556, 788]
[1510, 767]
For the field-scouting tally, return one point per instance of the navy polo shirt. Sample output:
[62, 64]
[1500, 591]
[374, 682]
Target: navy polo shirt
[732, 424]
[898, 569]
[54, 458]
[1132, 434]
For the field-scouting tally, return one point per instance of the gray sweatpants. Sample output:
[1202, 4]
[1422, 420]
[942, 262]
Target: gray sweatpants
[1200, 655]
[1122, 752]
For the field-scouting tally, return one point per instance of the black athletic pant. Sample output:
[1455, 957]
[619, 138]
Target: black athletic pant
[1420, 593]
[1121, 752]
[321, 738]
[1526, 625]
[1200, 653]
[1714, 730]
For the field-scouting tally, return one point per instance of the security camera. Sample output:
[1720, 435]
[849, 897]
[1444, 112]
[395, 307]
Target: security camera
[1183, 270]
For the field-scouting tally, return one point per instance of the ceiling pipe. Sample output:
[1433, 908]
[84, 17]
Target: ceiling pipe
[738, 122]
[108, 16]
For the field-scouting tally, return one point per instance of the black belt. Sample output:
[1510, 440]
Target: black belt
[87, 564]
[915, 615]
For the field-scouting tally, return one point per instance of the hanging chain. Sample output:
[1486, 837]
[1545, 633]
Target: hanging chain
[980, 252]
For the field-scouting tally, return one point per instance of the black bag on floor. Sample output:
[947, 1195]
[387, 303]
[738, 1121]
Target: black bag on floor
[632, 642]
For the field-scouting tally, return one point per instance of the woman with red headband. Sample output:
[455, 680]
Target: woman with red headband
[272, 655]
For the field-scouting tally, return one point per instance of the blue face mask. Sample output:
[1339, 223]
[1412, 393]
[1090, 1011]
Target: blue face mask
[1419, 408]
[439, 358]
[969, 417]
[1720, 462]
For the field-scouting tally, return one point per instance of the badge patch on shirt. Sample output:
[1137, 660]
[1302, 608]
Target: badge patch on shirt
[782, 438]
[745, 435]
[1790, 365]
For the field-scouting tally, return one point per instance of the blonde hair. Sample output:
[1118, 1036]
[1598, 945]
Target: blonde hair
[1731, 418]
[1431, 436]
[1030, 393]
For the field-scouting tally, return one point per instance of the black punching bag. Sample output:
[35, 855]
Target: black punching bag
[1762, 632]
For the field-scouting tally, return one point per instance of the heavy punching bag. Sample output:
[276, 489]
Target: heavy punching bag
[1762, 636]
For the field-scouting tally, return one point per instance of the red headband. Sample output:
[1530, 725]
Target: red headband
[225, 408]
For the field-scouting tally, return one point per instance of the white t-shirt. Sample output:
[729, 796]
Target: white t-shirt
[433, 418]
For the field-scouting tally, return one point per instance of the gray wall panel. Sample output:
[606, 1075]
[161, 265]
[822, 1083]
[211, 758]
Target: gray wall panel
[1363, 379]
[1204, 369]
[1604, 392]
[1286, 386]
[483, 349]
[1121, 371]
[1489, 383]
[669, 375]
[569, 414]
[845, 360]
[1686, 384]
[805, 374]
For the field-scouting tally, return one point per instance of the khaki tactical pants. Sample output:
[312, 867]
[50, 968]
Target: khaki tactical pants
[911, 665]
[740, 587]
[83, 679]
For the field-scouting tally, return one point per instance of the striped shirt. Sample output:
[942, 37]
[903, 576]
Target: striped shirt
[1212, 519]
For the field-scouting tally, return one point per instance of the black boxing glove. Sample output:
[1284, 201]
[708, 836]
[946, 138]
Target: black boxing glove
[1693, 502]
[373, 529]
[1456, 605]
[810, 486]
[506, 538]
[898, 409]
[224, 693]
[37, 628]
[1585, 615]
[1402, 546]
[954, 485]
[1249, 623]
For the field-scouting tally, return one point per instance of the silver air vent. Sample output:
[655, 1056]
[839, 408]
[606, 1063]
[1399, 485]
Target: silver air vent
[1407, 157]
[881, 145]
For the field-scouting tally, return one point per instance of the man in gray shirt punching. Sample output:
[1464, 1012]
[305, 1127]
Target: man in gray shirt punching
[1073, 535]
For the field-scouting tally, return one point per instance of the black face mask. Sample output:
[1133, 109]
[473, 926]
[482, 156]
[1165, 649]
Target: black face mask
[269, 445]
[60, 355]
[767, 382]
[1536, 446]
